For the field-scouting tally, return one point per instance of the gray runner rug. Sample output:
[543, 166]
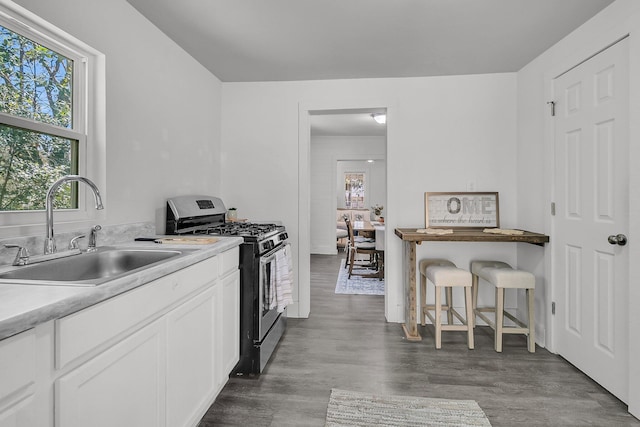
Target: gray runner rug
[358, 285]
[350, 408]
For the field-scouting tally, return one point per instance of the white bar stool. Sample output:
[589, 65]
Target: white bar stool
[444, 274]
[502, 276]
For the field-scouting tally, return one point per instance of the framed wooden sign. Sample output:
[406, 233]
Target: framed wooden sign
[461, 210]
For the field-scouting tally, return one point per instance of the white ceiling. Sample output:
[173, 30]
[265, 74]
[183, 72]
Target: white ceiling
[346, 123]
[282, 40]
[286, 40]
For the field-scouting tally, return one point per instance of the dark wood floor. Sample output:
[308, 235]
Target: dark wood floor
[346, 343]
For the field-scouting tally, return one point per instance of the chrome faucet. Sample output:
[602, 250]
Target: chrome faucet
[50, 242]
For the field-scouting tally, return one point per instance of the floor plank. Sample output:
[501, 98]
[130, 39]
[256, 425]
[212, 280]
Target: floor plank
[346, 343]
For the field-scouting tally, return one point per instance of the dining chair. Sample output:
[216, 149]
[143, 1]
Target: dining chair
[352, 237]
[361, 246]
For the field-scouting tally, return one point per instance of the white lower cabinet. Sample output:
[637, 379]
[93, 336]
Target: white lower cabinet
[192, 380]
[136, 368]
[123, 386]
[155, 356]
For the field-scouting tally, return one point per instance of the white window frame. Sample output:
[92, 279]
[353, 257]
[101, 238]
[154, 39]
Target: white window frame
[89, 122]
[364, 185]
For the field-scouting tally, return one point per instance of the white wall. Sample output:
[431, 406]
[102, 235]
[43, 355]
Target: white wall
[442, 132]
[163, 108]
[535, 157]
[329, 156]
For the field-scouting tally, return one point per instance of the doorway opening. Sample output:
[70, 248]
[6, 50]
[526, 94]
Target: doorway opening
[344, 145]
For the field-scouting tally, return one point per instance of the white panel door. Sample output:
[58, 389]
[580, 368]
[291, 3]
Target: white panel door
[592, 203]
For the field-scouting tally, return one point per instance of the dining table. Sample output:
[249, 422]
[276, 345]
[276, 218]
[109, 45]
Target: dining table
[364, 228]
[414, 236]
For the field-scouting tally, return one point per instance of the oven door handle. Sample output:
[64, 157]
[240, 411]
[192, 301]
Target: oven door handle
[265, 260]
[270, 256]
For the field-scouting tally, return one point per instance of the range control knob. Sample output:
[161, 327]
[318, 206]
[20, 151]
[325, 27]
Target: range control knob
[267, 245]
[283, 236]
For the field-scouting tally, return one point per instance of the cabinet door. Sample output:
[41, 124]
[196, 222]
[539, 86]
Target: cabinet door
[191, 359]
[230, 324]
[18, 380]
[123, 386]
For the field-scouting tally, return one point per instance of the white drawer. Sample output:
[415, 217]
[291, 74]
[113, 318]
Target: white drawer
[87, 329]
[229, 261]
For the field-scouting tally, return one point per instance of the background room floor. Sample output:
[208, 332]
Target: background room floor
[346, 343]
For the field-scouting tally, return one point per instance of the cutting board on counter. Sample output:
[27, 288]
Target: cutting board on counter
[181, 240]
[187, 240]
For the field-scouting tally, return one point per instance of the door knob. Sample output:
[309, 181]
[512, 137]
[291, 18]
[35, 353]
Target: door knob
[620, 239]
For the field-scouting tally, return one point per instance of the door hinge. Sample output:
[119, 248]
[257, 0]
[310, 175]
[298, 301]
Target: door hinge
[553, 308]
[553, 208]
[553, 107]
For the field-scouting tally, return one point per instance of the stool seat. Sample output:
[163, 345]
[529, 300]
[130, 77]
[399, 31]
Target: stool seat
[445, 272]
[445, 275]
[502, 276]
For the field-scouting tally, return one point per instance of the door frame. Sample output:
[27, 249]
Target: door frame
[630, 28]
[304, 187]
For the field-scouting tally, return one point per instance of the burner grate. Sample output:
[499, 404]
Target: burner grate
[241, 229]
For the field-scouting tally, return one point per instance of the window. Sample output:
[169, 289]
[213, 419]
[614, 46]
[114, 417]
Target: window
[51, 91]
[36, 91]
[354, 190]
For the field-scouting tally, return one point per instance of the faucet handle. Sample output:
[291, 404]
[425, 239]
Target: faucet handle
[22, 257]
[73, 244]
[93, 238]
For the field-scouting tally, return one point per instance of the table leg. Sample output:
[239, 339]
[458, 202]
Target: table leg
[410, 326]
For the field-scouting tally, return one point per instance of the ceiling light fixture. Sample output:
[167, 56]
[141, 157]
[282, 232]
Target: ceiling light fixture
[380, 118]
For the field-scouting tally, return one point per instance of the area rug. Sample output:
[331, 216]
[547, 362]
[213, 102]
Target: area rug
[358, 285]
[350, 408]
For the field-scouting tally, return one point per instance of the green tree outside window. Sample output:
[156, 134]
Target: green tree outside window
[36, 83]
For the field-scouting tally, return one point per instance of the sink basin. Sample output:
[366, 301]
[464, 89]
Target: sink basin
[89, 269]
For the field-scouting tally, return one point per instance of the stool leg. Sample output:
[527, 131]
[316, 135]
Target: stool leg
[468, 304]
[532, 324]
[474, 287]
[499, 318]
[449, 296]
[438, 324]
[423, 298]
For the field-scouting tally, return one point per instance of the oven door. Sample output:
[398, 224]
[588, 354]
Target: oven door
[266, 286]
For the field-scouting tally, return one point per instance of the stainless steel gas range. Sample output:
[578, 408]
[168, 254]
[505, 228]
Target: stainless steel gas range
[261, 325]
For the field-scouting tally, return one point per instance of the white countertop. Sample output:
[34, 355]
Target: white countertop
[23, 307]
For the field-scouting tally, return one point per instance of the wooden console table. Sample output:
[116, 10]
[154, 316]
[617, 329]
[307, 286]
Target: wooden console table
[410, 237]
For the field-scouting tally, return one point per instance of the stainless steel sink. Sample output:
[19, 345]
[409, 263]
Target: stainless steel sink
[89, 269]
